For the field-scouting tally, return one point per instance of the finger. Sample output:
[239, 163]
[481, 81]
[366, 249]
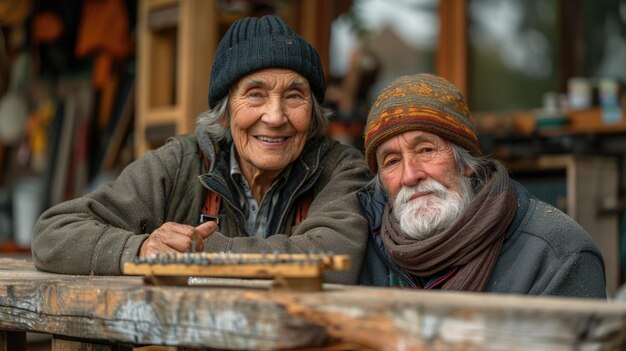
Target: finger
[172, 240]
[197, 242]
[179, 237]
[206, 229]
[152, 246]
[180, 242]
[174, 228]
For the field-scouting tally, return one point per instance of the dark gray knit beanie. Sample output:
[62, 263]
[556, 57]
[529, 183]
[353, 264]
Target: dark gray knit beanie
[252, 44]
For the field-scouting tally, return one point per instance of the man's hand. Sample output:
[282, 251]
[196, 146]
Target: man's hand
[175, 237]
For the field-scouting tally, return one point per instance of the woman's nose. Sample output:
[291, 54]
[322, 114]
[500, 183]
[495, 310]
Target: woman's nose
[274, 114]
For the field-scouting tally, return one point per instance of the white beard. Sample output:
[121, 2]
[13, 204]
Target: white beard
[427, 215]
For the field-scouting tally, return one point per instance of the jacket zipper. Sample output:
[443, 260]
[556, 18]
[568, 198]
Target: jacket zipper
[290, 202]
[239, 212]
[297, 193]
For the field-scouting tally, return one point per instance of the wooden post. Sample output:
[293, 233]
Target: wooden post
[176, 44]
[452, 50]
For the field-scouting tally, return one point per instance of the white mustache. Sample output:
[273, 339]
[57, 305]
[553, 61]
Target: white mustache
[430, 185]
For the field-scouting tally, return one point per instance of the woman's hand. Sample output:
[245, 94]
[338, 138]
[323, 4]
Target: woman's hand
[175, 237]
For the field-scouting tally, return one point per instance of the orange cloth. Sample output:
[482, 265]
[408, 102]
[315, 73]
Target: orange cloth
[104, 31]
[14, 12]
[47, 27]
[104, 27]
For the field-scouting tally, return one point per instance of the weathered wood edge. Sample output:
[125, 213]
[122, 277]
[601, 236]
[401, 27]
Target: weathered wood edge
[122, 309]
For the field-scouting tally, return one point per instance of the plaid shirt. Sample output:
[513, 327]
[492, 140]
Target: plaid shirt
[257, 216]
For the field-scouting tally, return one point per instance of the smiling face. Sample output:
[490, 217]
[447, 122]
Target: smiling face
[270, 118]
[419, 172]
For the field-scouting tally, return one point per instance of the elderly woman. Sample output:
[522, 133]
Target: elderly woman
[258, 164]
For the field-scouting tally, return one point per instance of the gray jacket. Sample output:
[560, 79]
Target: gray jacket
[545, 252]
[99, 232]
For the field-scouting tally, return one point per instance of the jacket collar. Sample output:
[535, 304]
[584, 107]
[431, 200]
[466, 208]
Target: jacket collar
[373, 202]
[303, 174]
[523, 201]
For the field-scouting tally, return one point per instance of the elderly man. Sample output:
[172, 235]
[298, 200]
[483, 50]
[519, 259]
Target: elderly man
[258, 163]
[442, 216]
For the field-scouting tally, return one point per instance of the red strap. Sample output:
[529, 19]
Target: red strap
[211, 207]
[211, 203]
[302, 208]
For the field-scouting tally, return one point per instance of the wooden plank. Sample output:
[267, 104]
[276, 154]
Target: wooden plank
[163, 115]
[313, 21]
[590, 121]
[122, 309]
[70, 345]
[143, 79]
[291, 272]
[452, 44]
[241, 271]
[199, 36]
[246, 265]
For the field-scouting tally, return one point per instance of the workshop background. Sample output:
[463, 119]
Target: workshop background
[88, 86]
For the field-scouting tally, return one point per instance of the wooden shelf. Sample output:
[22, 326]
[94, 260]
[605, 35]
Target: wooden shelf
[577, 122]
[177, 40]
[174, 62]
[590, 121]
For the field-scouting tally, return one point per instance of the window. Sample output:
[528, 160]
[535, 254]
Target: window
[513, 53]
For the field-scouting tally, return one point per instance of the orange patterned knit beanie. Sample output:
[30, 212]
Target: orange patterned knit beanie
[421, 102]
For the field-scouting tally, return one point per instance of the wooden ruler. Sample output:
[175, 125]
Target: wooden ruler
[289, 271]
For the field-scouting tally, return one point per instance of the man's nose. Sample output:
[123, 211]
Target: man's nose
[274, 114]
[412, 171]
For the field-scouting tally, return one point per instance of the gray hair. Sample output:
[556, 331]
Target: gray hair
[480, 167]
[216, 121]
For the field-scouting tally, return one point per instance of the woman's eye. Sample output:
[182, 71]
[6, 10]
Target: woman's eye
[294, 96]
[255, 94]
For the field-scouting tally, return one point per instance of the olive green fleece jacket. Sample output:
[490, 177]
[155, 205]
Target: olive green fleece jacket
[99, 232]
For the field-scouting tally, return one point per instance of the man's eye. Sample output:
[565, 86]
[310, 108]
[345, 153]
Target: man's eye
[390, 162]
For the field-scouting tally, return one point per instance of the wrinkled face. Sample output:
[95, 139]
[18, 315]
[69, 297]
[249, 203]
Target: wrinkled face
[420, 175]
[270, 118]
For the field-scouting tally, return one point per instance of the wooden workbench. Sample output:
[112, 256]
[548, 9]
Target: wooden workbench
[120, 313]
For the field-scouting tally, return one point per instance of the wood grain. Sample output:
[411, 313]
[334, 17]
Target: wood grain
[122, 309]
